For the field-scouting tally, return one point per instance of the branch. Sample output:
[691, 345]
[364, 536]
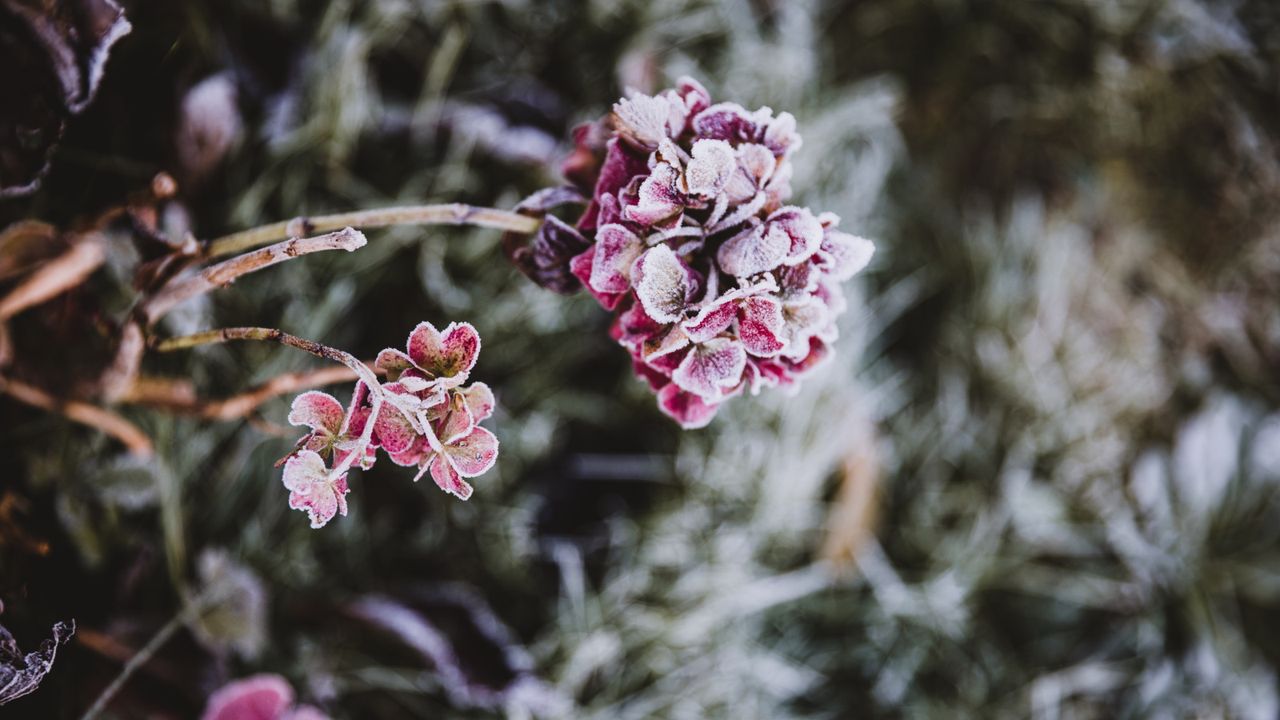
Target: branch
[178, 398]
[225, 273]
[58, 275]
[108, 422]
[362, 372]
[449, 214]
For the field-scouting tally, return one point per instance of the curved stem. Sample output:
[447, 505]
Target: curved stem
[445, 214]
[361, 370]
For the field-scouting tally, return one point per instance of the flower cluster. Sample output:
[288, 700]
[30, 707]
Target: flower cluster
[717, 285]
[425, 416]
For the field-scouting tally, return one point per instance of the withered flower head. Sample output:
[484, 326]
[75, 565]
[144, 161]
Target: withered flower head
[717, 285]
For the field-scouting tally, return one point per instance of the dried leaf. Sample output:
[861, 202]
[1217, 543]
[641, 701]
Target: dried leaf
[21, 675]
[53, 53]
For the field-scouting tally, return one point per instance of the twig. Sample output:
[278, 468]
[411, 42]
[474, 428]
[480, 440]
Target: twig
[58, 275]
[279, 336]
[238, 406]
[224, 273]
[118, 378]
[100, 418]
[144, 655]
[448, 214]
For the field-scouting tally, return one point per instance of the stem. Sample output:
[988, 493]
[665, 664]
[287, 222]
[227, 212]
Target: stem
[84, 413]
[447, 214]
[226, 272]
[145, 654]
[180, 399]
[62, 273]
[362, 371]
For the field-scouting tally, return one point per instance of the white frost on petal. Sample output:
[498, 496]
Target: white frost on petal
[712, 164]
[662, 283]
[643, 118]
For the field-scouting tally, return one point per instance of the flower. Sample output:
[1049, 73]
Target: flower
[428, 417]
[312, 490]
[452, 445]
[443, 358]
[259, 697]
[716, 284]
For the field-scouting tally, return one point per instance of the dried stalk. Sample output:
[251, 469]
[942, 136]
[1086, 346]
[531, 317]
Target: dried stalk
[179, 399]
[55, 277]
[225, 273]
[448, 214]
[102, 419]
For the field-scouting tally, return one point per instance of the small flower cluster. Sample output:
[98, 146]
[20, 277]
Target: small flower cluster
[717, 285]
[425, 416]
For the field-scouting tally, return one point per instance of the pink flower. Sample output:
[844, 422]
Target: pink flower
[259, 697]
[717, 285]
[444, 358]
[426, 416]
[454, 446]
[333, 431]
[312, 490]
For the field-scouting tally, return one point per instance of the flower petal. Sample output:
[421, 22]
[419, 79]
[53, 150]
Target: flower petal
[395, 431]
[621, 166]
[711, 320]
[393, 362]
[642, 119]
[317, 410]
[843, 255]
[479, 400]
[545, 257]
[616, 251]
[260, 697]
[685, 408]
[671, 341]
[414, 455]
[753, 251]
[727, 121]
[711, 368]
[803, 231]
[658, 201]
[780, 136]
[306, 477]
[712, 164]
[473, 454]
[457, 424]
[448, 479]
[581, 266]
[662, 283]
[760, 326]
[450, 354]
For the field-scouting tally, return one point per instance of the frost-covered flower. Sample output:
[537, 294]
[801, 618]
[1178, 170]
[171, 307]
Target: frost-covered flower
[312, 489]
[259, 697]
[717, 285]
[428, 418]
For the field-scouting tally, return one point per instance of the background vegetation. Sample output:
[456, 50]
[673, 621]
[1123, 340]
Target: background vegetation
[1040, 479]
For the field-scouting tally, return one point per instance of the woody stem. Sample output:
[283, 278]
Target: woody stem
[444, 214]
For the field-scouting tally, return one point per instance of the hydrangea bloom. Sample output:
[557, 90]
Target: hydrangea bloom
[428, 417]
[717, 285]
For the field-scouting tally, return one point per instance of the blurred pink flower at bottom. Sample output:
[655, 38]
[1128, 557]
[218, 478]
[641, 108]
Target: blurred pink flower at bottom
[260, 697]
